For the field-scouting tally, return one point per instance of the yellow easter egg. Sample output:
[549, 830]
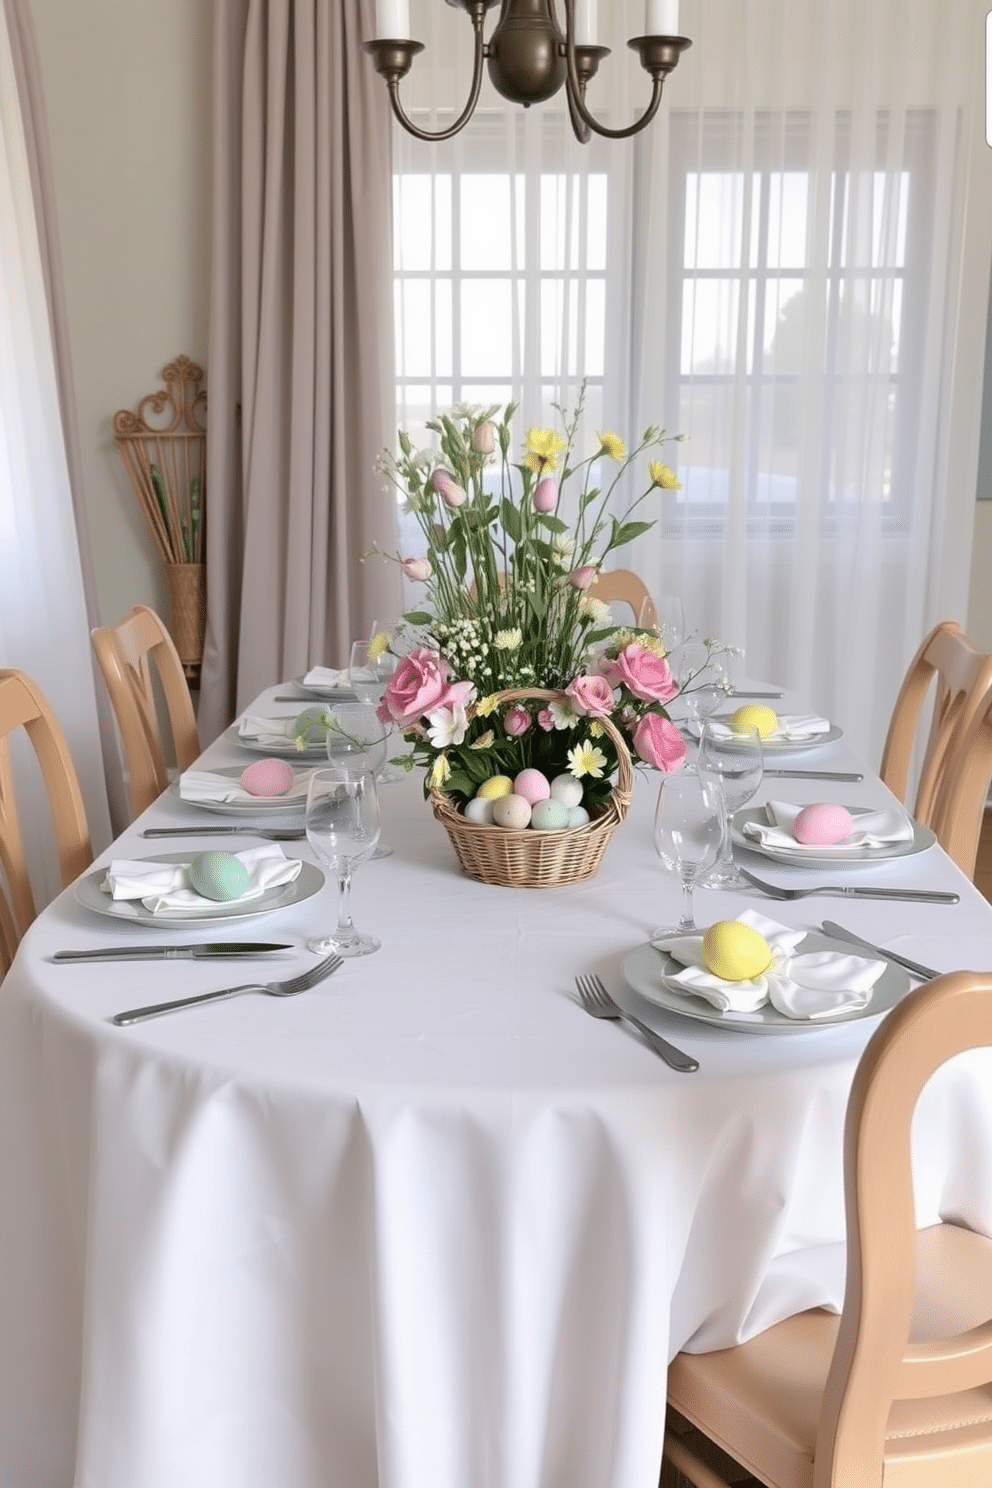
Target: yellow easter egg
[494, 787]
[735, 952]
[754, 716]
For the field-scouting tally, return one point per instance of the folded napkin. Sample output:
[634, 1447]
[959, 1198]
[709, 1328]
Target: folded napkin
[871, 829]
[326, 677]
[270, 730]
[793, 728]
[165, 886]
[203, 787]
[817, 984]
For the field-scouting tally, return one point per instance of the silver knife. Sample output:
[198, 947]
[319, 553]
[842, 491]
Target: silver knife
[278, 834]
[925, 973]
[218, 950]
[738, 692]
[811, 775]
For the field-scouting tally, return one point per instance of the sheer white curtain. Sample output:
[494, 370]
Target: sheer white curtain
[789, 267]
[43, 624]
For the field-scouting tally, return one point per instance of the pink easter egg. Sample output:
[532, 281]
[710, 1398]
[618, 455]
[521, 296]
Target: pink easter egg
[823, 825]
[268, 777]
[532, 785]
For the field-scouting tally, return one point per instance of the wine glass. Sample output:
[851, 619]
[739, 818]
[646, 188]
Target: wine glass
[369, 672]
[357, 736]
[737, 763]
[671, 622]
[688, 831]
[343, 828]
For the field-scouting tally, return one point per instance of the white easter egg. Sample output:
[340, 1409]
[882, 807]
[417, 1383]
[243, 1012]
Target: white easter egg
[567, 790]
[480, 811]
[549, 816]
[577, 816]
[512, 812]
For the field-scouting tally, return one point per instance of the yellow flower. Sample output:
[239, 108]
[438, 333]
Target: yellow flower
[484, 740]
[440, 770]
[596, 729]
[664, 476]
[543, 448]
[378, 644]
[486, 705]
[586, 759]
[611, 444]
[507, 640]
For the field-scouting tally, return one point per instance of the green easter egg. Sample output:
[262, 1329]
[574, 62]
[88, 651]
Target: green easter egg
[311, 726]
[219, 875]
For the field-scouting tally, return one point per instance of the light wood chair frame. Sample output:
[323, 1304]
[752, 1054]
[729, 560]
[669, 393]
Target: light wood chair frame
[963, 686]
[126, 653]
[622, 585]
[881, 1350]
[959, 808]
[24, 705]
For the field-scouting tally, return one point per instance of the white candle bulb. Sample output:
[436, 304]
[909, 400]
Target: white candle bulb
[585, 22]
[392, 20]
[661, 18]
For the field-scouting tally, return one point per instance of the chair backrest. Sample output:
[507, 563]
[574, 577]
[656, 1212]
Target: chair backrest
[23, 705]
[874, 1362]
[126, 653]
[959, 807]
[963, 684]
[623, 586]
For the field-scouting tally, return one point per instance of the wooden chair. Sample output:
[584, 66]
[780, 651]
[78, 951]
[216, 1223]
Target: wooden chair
[126, 653]
[959, 808]
[624, 587]
[23, 705]
[898, 1389]
[963, 685]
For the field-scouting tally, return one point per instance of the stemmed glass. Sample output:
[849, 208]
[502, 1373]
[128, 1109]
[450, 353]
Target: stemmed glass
[343, 829]
[369, 674]
[688, 831]
[671, 624]
[357, 736]
[737, 763]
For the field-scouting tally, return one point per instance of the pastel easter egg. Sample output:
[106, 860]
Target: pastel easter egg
[268, 777]
[512, 812]
[567, 790]
[578, 816]
[219, 875]
[735, 952]
[823, 825]
[549, 816]
[480, 811]
[494, 787]
[755, 716]
[532, 785]
[311, 725]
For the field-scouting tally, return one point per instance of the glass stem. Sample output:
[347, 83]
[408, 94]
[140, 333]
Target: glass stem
[345, 928]
[687, 922]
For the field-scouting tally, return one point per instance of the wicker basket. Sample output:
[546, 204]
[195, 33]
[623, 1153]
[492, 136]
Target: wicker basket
[537, 860]
[187, 594]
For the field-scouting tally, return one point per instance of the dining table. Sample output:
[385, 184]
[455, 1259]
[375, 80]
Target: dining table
[428, 1224]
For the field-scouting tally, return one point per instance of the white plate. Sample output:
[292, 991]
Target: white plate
[851, 857]
[275, 809]
[785, 746]
[338, 694]
[90, 895]
[280, 749]
[645, 967]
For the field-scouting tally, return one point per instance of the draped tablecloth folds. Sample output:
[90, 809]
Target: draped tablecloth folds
[427, 1223]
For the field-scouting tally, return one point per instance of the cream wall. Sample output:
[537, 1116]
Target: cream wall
[127, 91]
[128, 96]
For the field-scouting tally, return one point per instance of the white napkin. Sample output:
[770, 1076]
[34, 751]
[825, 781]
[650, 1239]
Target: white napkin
[793, 728]
[271, 730]
[326, 677]
[204, 787]
[818, 984]
[871, 829]
[165, 886]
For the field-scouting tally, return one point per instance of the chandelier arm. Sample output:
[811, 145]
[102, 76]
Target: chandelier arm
[478, 16]
[575, 90]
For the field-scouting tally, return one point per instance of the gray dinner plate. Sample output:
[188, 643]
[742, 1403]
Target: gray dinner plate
[132, 912]
[854, 857]
[274, 810]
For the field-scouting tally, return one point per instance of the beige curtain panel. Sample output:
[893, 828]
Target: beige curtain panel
[301, 374]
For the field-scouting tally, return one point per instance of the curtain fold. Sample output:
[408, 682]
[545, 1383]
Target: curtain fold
[301, 351]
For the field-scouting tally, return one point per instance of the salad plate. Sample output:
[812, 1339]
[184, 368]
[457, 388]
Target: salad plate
[273, 809]
[830, 857]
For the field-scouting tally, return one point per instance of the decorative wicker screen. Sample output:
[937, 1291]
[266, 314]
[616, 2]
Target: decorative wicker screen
[164, 447]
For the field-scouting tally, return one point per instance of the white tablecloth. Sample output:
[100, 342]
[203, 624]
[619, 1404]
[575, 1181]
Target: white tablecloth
[428, 1225]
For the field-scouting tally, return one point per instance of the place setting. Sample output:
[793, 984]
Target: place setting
[826, 834]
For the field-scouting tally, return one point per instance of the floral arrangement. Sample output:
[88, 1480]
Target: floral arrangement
[507, 606]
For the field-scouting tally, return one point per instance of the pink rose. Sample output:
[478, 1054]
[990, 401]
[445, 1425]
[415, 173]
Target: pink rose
[659, 743]
[417, 568]
[444, 483]
[581, 578]
[484, 438]
[546, 720]
[516, 722]
[591, 696]
[546, 494]
[647, 676]
[418, 686]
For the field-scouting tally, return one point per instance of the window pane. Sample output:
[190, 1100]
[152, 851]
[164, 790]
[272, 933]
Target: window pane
[422, 222]
[710, 310]
[714, 219]
[423, 327]
[787, 210]
[485, 222]
[486, 328]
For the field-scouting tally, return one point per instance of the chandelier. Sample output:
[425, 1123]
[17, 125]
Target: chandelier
[529, 56]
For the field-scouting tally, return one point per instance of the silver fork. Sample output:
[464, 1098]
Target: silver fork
[598, 1002]
[271, 834]
[852, 891]
[289, 988]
